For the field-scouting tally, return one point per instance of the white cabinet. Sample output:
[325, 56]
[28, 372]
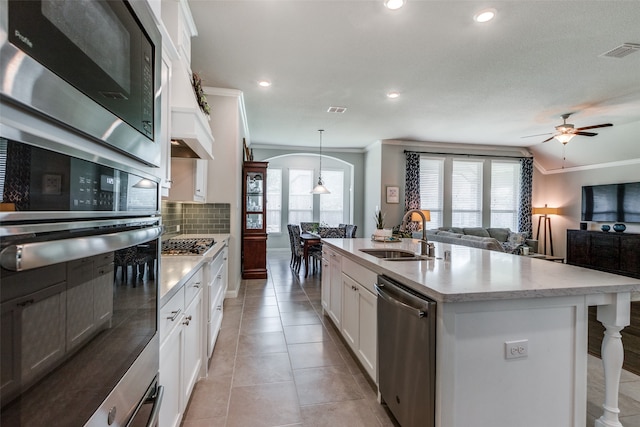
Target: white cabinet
[216, 278]
[189, 180]
[348, 297]
[332, 285]
[181, 349]
[165, 123]
[193, 344]
[359, 323]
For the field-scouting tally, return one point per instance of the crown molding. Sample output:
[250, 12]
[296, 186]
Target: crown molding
[544, 171]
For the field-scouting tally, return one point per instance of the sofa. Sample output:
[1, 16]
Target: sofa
[494, 239]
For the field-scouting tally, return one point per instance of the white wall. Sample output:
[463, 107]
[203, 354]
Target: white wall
[225, 170]
[372, 190]
[331, 159]
[564, 190]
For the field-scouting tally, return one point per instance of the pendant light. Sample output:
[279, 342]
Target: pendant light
[320, 188]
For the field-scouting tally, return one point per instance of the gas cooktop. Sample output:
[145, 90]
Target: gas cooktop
[186, 246]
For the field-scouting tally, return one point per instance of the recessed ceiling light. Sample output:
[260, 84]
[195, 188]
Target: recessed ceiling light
[264, 83]
[485, 15]
[393, 95]
[394, 4]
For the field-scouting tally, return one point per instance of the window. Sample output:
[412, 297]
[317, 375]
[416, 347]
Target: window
[505, 194]
[466, 193]
[300, 197]
[274, 200]
[431, 189]
[332, 205]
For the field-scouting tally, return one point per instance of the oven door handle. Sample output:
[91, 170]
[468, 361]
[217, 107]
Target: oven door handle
[28, 256]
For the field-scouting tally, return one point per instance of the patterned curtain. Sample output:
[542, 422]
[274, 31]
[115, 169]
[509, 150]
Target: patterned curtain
[526, 186]
[412, 186]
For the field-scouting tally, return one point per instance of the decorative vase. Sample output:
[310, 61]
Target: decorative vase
[606, 227]
[619, 227]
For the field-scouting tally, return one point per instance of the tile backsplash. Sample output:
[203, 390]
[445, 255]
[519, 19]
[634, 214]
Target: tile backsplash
[195, 218]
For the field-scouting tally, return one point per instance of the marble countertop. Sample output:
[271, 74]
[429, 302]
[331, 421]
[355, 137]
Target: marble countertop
[480, 275]
[176, 270]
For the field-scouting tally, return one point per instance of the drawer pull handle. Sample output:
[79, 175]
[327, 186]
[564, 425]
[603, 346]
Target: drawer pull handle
[175, 315]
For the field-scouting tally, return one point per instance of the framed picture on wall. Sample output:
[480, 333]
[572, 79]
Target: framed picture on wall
[393, 194]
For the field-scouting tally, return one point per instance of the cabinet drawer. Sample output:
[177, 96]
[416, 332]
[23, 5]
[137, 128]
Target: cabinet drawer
[193, 286]
[171, 314]
[360, 274]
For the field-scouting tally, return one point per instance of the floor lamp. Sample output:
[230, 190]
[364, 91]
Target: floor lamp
[544, 213]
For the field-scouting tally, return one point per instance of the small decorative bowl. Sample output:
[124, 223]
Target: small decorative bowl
[605, 228]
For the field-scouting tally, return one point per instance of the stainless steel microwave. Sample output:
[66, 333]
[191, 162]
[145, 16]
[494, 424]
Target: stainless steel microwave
[93, 66]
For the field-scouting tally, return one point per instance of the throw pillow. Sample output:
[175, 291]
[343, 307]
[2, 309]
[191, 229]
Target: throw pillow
[517, 238]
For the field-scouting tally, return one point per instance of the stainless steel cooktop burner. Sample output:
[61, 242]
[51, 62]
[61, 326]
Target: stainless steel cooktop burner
[186, 246]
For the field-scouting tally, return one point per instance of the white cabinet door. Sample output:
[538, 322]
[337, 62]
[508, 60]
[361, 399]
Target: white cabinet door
[193, 346]
[165, 124]
[326, 283]
[368, 331]
[335, 293]
[350, 311]
[171, 377]
[200, 190]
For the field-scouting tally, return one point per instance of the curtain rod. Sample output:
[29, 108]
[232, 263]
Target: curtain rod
[469, 155]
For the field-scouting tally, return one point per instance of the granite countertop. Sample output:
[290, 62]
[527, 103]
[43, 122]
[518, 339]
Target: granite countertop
[176, 270]
[480, 275]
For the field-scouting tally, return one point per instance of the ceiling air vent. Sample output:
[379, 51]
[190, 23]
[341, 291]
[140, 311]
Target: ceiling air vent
[622, 50]
[337, 110]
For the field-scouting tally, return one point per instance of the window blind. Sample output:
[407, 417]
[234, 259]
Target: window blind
[505, 194]
[274, 200]
[300, 197]
[332, 205]
[466, 193]
[431, 189]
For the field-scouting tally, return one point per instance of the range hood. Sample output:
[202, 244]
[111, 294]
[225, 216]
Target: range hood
[189, 124]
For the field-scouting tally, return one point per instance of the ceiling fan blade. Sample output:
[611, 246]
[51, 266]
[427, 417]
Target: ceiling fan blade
[585, 133]
[549, 139]
[540, 134]
[604, 125]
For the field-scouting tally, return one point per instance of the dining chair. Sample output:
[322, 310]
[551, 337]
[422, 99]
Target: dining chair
[309, 227]
[333, 232]
[297, 248]
[350, 230]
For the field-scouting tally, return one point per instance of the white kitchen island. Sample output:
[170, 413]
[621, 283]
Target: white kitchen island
[487, 299]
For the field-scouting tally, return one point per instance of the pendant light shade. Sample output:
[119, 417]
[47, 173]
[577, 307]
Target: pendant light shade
[320, 188]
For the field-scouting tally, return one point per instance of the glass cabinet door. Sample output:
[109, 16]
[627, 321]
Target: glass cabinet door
[255, 181]
[254, 221]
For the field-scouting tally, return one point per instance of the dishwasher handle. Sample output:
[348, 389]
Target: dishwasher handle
[387, 297]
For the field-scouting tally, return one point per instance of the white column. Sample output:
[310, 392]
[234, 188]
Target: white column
[614, 317]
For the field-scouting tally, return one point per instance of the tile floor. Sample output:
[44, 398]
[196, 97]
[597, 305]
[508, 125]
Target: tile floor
[279, 362]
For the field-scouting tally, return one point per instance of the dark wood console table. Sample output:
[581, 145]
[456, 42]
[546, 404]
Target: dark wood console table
[617, 253]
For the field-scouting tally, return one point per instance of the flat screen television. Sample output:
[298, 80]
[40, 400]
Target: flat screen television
[611, 202]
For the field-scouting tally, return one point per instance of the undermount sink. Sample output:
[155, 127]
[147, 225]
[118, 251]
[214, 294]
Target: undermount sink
[390, 253]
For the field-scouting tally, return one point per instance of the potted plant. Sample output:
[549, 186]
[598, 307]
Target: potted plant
[380, 230]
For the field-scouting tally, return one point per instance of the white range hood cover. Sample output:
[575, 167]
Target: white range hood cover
[188, 122]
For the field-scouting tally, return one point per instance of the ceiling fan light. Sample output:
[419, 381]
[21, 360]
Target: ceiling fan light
[565, 137]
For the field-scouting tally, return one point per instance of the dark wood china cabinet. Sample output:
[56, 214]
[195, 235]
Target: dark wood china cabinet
[254, 227]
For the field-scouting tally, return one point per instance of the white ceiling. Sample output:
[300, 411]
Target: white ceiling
[460, 81]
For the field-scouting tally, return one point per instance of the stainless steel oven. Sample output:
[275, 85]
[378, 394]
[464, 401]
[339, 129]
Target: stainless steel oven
[79, 253]
[93, 66]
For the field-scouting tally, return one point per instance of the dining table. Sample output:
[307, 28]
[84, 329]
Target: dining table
[308, 240]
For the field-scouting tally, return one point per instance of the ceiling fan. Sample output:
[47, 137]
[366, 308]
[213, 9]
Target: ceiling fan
[566, 131]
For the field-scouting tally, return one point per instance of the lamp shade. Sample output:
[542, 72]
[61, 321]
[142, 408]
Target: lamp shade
[416, 216]
[545, 211]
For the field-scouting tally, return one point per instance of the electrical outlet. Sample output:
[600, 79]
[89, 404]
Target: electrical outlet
[516, 349]
[178, 227]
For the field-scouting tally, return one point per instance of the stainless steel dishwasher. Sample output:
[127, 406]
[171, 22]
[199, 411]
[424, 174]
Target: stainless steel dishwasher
[406, 353]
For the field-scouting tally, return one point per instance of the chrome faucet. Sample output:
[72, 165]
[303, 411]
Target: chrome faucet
[423, 242]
